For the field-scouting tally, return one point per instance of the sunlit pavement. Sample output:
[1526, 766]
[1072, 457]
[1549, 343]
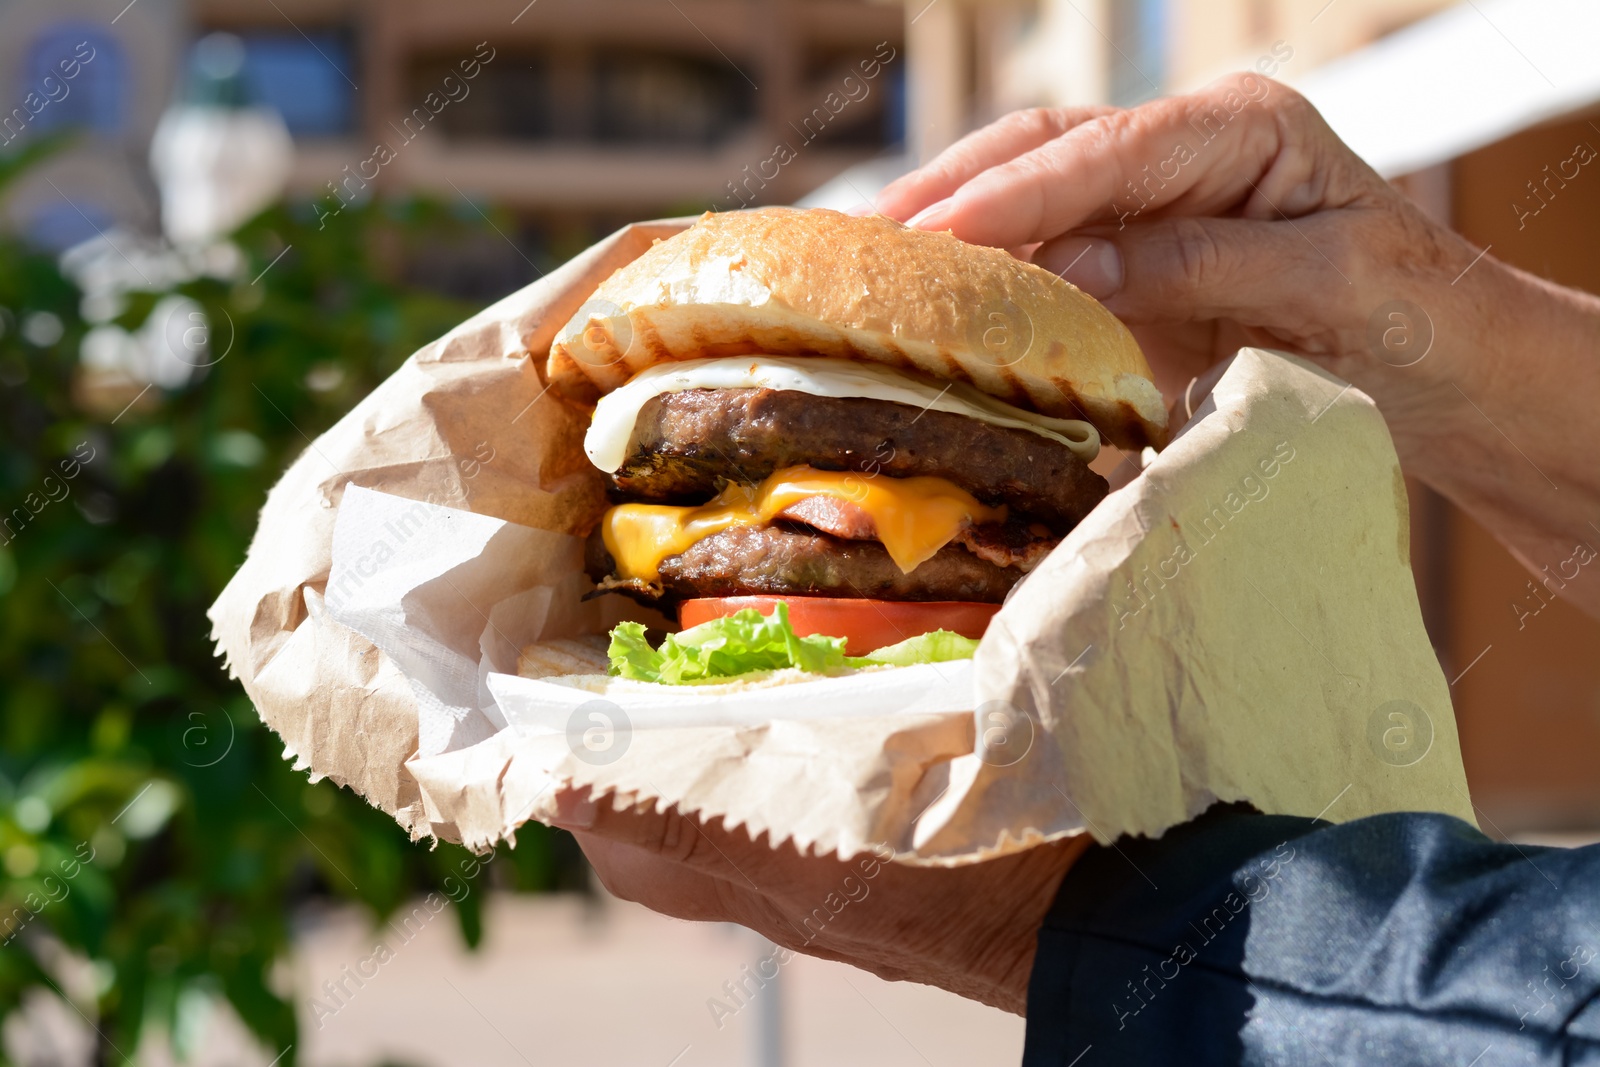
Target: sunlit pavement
[559, 981]
[562, 982]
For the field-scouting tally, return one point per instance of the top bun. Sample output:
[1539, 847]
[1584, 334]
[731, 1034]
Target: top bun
[782, 281]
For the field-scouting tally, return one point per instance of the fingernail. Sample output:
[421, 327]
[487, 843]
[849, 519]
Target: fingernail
[1093, 264]
[574, 815]
[932, 217]
[860, 210]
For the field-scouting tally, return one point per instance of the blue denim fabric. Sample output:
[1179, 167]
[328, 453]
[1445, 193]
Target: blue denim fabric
[1251, 939]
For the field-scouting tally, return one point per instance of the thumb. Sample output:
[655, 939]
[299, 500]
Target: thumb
[1274, 275]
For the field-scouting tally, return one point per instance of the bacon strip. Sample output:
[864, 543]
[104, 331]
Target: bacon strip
[831, 515]
[1008, 544]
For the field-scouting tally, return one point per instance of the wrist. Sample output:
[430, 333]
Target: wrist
[1491, 383]
[1499, 418]
[994, 956]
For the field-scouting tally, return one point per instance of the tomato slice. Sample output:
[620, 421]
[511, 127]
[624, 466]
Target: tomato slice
[865, 625]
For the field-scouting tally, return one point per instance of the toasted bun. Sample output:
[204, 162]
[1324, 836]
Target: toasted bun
[566, 656]
[788, 282]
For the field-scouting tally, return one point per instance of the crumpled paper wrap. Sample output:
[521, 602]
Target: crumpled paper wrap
[1238, 623]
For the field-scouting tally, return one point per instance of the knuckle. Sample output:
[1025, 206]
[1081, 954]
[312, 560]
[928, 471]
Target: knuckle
[1336, 257]
[1038, 119]
[1286, 98]
[1200, 258]
[1105, 136]
[1031, 120]
[1115, 125]
[1033, 124]
[1341, 246]
[1293, 110]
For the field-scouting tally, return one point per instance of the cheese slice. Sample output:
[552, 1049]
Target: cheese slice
[615, 415]
[914, 517]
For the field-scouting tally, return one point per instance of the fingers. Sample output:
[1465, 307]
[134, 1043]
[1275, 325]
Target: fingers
[1297, 278]
[1093, 264]
[632, 873]
[1206, 153]
[708, 850]
[675, 865]
[1002, 140]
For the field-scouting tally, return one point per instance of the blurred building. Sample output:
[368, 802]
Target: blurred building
[978, 59]
[573, 116]
[71, 69]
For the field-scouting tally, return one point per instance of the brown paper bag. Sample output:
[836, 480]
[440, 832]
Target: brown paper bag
[1237, 623]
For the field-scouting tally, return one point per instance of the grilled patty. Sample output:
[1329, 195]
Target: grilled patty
[745, 560]
[686, 445]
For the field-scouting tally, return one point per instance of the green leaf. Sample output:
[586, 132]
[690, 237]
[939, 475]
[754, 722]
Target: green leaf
[631, 654]
[749, 641]
[938, 646]
[723, 648]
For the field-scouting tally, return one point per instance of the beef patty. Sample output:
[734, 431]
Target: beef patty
[777, 559]
[685, 445]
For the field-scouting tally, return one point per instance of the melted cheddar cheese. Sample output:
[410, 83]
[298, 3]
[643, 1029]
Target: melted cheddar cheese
[914, 517]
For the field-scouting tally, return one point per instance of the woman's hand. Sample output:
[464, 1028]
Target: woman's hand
[970, 929]
[1234, 216]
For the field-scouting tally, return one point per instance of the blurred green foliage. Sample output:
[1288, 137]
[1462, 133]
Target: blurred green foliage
[148, 822]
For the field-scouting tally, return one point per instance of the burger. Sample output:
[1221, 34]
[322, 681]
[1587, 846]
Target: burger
[833, 441]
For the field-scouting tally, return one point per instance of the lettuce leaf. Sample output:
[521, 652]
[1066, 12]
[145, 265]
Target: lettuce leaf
[722, 648]
[749, 641]
[937, 646]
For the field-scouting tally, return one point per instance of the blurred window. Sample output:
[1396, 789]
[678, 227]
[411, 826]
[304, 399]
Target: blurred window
[93, 99]
[839, 107]
[1139, 58]
[894, 111]
[668, 99]
[304, 78]
[58, 226]
[509, 99]
[577, 94]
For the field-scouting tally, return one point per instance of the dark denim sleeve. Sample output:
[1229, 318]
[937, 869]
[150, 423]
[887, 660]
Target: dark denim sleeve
[1253, 939]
